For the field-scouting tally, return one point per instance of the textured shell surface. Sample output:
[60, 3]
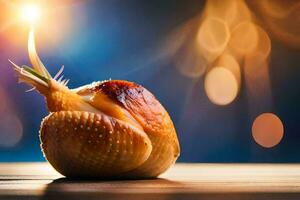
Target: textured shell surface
[131, 136]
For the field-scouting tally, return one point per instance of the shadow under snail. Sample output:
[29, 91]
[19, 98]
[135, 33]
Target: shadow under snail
[107, 129]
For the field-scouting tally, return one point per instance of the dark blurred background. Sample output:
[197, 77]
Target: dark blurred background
[142, 41]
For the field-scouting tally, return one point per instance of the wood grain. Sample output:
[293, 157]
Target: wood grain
[183, 181]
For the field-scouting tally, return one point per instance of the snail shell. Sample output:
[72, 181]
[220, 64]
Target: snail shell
[107, 129]
[80, 143]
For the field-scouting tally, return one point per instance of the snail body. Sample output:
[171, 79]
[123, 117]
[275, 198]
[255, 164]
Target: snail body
[107, 129]
[79, 140]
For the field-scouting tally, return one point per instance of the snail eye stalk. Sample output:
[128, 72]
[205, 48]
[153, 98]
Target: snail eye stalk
[34, 57]
[38, 75]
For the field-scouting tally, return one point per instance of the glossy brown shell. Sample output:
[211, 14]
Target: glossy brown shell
[136, 153]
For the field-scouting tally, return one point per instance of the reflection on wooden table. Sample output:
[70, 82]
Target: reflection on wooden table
[183, 181]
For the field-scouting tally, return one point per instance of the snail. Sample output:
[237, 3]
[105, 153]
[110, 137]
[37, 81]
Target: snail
[107, 129]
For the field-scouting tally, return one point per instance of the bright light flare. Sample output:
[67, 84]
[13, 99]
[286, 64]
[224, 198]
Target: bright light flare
[30, 13]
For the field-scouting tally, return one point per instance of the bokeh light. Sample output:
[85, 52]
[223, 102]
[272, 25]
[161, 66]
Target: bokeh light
[226, 10]
[281, 18]
[264, 43]
[221, 86]
[225, 35]
[191, 64]
[257, 75]
[229, 62]
[11, 130]
[277, 8]
[244, 38]
[232, 12]
[187, 60]
[267, 130]
[259, 56]
[212, 38]
[3, 102]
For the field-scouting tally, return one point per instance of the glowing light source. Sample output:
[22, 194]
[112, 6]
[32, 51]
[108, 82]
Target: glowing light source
[267, 130]
[30, 13]
[221, 86]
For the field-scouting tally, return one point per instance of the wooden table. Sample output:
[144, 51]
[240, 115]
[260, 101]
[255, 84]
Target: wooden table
[183, 181]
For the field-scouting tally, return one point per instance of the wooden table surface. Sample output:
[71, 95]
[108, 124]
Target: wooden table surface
[183, 181]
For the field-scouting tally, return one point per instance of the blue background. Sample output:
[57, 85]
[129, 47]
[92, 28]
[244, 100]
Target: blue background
[120, 40]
